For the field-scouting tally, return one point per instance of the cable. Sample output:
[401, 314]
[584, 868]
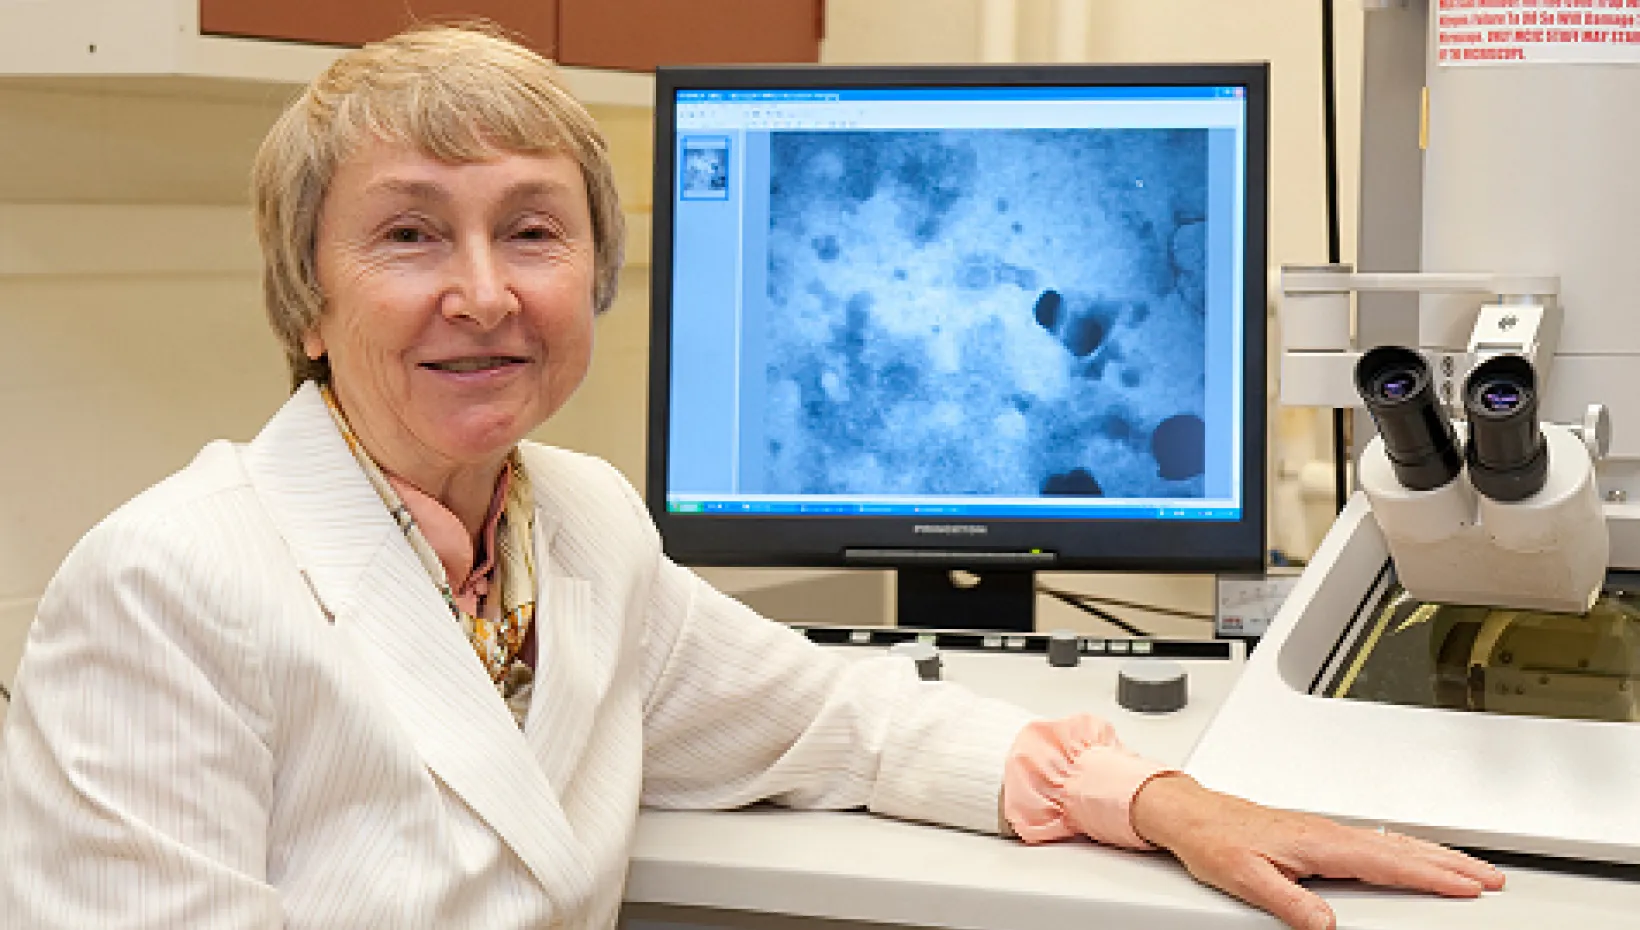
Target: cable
[1335, 239]
[1106, 616]
[1106, 601]
[1329, 128]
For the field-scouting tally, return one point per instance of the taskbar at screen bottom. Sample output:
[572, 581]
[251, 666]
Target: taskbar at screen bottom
[1015, 511]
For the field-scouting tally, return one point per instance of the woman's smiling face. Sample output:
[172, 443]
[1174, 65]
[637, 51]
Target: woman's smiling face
[458, 305]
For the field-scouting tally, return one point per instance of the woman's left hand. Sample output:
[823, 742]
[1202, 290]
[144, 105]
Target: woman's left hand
[1258, 854]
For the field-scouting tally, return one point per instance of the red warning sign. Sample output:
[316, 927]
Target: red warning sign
[1481, 32]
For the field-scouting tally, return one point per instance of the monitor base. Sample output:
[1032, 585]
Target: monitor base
[935, 598]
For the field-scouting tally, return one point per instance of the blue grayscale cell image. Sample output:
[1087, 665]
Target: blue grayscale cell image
[706, 168]
[1013, 313]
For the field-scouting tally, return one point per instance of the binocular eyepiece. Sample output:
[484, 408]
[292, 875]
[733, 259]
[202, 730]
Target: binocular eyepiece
[1507, 456]
[1400, 395]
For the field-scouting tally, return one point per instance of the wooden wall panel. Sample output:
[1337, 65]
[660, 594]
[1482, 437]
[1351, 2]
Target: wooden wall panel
[355, 22]
[632, 35]
[637, 35]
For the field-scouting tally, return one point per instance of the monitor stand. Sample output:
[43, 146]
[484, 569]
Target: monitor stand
[1003, 599]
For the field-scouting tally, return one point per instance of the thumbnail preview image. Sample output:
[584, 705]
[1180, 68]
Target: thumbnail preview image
[705, 168]
[1014, 313]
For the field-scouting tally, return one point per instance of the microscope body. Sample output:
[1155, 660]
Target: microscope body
[1452, 545]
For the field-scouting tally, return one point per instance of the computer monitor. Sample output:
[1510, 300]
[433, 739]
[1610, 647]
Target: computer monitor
[993, 318]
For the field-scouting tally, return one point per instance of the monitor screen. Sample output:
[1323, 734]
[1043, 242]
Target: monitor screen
[967, 316]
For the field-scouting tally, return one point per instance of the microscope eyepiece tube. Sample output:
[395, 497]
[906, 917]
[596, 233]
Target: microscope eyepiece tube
[1400, 394]
[1507, 456]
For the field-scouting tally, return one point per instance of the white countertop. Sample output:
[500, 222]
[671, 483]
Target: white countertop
[861, 867]
[855, 866]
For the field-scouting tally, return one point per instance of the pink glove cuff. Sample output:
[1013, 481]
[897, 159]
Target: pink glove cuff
[1070, 776]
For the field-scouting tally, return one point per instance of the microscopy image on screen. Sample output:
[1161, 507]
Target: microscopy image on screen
[705, 168]
[1014, 313]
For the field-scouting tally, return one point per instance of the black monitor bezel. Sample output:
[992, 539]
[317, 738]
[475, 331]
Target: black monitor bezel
[826, 541]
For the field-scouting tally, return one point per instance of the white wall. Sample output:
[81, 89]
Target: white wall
[130, 321]
[130, 327]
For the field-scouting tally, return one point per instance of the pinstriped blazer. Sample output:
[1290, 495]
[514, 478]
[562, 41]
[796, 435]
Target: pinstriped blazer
[243, 704]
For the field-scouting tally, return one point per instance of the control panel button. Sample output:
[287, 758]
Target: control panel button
[1152, 686]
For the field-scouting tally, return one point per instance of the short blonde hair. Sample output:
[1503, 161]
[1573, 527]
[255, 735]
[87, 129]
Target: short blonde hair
[456, 93]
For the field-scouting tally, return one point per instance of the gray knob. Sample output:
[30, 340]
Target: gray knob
[1064, 649]
[1152, 686]
[925, 655]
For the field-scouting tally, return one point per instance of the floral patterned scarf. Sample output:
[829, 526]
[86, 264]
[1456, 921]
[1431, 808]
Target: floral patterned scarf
[499, 630]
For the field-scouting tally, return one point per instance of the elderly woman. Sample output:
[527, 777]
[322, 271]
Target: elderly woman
[390, 665]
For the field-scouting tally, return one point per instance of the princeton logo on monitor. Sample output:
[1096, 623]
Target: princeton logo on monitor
[952, 529]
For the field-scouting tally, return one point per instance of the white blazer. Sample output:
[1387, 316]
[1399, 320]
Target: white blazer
[243, 704]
